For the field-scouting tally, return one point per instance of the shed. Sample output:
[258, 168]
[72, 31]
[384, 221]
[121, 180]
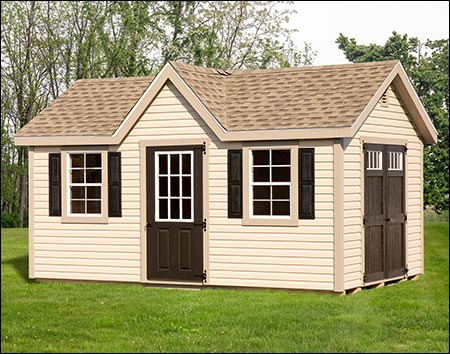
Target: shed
[299, 178]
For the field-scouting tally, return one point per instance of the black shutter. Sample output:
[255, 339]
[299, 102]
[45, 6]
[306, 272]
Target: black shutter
[114, 185]
[54, 185]
[306, 184]
[235, 183]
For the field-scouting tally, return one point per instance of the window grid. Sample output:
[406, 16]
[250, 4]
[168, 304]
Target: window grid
[395, 161]
[375, 160]
[83, 185]
[180, 176]
[270, 184]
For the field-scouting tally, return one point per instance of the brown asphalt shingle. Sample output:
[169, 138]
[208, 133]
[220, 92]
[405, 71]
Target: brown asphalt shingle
[89, 107]
[307, 97]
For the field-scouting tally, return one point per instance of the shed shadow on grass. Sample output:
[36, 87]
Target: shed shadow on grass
[20, 264]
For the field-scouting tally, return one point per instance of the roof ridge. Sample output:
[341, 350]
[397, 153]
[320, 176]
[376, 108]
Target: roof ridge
[320, 67]
[202, 69]
[215, 71]
[125, 78]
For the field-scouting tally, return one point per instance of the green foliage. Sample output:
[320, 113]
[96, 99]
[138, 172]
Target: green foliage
[431, 215]
[63, 317]
[12, 220]
[47, 45]
[427, 64]
[397, 47]
[231, 35]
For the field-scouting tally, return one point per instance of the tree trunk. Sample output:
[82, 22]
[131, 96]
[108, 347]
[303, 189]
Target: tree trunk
[23, 188]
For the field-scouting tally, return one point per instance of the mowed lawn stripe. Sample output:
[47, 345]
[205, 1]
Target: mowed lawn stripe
[410, 316]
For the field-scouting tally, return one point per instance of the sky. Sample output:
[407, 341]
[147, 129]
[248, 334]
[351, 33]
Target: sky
[320, 22]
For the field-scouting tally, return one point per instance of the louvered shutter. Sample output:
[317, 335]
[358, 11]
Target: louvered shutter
[114, 185]
[306, 183]
[54, 188]
[235, 183]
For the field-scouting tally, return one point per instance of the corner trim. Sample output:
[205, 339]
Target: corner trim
[31, 213]
[338, 214]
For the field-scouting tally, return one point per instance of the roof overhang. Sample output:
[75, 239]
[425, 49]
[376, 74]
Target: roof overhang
[397, 77]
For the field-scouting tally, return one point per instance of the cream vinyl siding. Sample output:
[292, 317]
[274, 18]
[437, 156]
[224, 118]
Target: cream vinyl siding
[272, 256]
[259, 256]
[109, 251]
[84, 251]
[385, 122]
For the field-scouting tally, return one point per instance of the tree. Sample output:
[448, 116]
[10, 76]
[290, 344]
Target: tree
[47, 45]
[24, 73]
[230, 35]
[427, 64]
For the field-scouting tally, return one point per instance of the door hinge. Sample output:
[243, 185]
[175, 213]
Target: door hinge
[406, 269]
[203, 276]
[204, 225]
[365, 146]
[364, 221]
[204, 148]
[406, 217]
[364, 277]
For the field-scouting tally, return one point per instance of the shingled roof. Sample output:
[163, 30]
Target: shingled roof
[240, 100]
[89, 107]
[307, 97]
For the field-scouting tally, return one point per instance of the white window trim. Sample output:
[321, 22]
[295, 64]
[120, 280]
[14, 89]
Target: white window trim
[395, 161]
[247, 190]
[71, 184]
[270, 184]
[168, 175]
[68, 217]
[371, 160]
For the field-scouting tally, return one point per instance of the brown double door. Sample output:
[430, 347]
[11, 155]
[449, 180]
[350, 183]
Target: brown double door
[174, 213]
[384, 205]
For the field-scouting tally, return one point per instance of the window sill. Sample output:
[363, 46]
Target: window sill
[269, 222]
[84, 219]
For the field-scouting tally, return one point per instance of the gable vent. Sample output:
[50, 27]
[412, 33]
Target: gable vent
[385, 98]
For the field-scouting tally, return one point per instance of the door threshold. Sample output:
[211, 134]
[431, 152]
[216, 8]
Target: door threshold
[179, 287]
[174, 285]
[383, 282]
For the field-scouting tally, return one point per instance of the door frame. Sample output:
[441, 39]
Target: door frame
[383, 141]
[143, 144]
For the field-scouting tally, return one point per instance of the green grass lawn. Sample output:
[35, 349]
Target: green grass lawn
[62, 317]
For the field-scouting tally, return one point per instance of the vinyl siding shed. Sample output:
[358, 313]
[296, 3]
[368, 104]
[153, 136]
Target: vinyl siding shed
[208, 177]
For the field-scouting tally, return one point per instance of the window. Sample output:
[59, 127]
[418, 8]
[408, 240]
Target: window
[395, 161]
[174, 186]
[270, 183]
[374, 160]
[84, 184]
